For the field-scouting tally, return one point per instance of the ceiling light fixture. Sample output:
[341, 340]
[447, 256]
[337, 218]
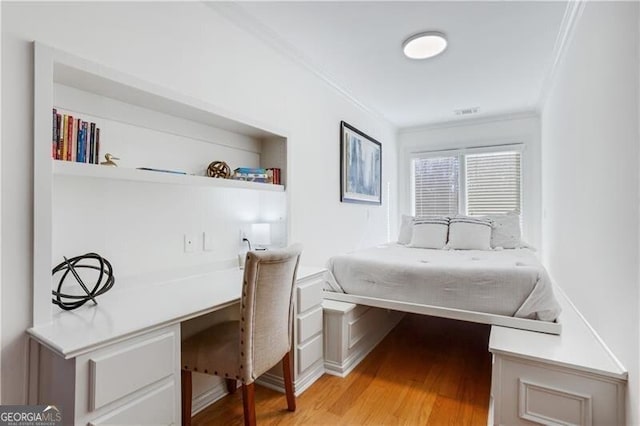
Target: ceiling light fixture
[424, 45]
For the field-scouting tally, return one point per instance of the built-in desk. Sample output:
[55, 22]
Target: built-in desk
[119, 361]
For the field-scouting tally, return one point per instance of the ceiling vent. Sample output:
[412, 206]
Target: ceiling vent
[467, 111]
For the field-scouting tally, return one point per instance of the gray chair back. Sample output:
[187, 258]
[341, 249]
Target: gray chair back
[266, 310]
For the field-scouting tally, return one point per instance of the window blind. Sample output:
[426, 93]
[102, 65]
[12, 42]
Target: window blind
[493, 183]
[436, 182]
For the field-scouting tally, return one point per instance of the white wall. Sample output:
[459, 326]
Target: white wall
[187, 47]
[590, 170]
[523, 129]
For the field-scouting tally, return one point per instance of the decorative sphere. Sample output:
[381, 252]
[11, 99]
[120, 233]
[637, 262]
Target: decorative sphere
[219, 169]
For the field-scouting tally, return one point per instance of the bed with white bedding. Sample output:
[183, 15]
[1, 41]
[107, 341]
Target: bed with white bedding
[503, 287]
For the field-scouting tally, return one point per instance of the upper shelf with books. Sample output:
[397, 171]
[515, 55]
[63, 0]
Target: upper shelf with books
[68, 168]
[144, 125]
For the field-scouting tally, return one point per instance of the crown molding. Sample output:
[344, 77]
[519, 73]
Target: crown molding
[572, 15]
[238, 15]
[517, 115]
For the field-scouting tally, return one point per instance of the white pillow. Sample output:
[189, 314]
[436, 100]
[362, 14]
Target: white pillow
[406, 229]
[430, 232]
[506, 231]
[469, 233]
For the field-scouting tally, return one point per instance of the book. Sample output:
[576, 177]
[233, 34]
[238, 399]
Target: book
[177, 172]
[250, 170]
[54, 139]
[97, 150]
[65, 137]
[58, 136]
[246, 179]
[92, 143]
[251, 175]
[83, 150]
[74, 140]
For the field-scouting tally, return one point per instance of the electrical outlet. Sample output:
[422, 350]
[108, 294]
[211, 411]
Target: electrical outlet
[189, 243]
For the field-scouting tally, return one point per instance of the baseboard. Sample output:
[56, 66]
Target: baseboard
[207, 398]
[276, 383]
[271, 381]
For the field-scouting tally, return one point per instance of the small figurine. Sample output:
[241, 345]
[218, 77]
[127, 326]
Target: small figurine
[109, 161]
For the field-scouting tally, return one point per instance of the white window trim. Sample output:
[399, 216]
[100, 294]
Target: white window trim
[518, 147]
[461, 152]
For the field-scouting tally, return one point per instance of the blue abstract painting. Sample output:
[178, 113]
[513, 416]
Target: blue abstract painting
[361, 171]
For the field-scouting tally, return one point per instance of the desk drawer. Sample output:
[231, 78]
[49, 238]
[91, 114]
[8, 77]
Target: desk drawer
[154, 408]
[309, 324]
[129, 368]
[309, 295]
[309, 353]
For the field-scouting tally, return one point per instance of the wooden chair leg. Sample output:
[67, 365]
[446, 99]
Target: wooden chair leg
[186, 397]
[232, 385]
[249, 404]
[288, 382]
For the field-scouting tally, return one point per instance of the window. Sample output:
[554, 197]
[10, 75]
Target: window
[437, 182]
[472, 182]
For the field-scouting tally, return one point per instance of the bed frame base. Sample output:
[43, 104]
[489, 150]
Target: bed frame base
[452, 313]
[351, 332]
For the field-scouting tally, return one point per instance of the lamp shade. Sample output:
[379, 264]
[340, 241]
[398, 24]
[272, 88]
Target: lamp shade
[261, 233]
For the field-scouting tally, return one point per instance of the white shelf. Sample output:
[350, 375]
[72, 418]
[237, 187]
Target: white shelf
[69, 168]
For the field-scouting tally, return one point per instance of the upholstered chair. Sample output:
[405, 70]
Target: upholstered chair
[243, 350]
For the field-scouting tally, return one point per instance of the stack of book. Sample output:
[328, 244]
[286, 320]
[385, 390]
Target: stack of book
[274, 173]
[74, 139]
[252, 174]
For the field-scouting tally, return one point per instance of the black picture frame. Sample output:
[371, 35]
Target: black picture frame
[360, 167]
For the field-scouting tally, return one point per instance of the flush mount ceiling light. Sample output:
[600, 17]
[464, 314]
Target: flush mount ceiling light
[424, 45]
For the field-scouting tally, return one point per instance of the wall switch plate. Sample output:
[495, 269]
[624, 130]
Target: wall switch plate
[209, 243]
[189, 243]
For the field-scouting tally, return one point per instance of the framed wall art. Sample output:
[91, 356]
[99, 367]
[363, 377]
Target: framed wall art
[360, 167]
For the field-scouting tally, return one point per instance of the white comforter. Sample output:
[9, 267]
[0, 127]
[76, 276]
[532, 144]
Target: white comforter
[506, 282]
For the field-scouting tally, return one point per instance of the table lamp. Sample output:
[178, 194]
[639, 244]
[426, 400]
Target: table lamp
[261, 235]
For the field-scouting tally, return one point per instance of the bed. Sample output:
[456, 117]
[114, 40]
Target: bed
[500, 287]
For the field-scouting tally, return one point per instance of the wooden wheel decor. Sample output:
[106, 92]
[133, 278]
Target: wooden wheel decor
[219, 169]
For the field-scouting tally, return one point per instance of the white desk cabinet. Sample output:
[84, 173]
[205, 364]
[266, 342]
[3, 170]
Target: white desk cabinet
[116, 363]
[307, 351]
[135, 381]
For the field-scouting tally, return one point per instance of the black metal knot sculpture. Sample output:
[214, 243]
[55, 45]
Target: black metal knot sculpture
[70, 266]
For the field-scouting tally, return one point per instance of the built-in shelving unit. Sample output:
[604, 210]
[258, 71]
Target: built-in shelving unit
[81, 170]
[81, 207]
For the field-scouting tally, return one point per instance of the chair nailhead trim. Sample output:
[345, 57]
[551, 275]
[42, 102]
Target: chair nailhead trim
[206, 372]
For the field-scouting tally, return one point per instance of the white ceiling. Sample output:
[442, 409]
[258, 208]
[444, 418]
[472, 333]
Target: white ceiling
[498, 56]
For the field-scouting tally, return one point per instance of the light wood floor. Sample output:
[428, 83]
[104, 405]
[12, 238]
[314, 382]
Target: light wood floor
[426, 371]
